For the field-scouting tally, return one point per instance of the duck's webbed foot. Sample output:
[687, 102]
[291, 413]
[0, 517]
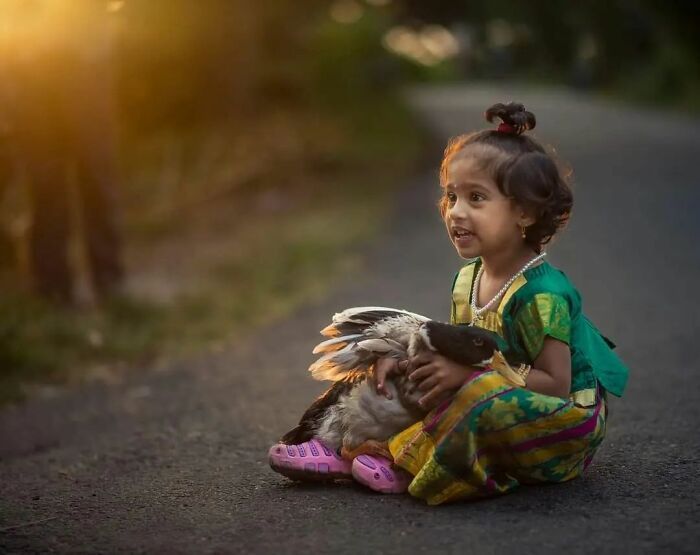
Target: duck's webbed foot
[369, 447]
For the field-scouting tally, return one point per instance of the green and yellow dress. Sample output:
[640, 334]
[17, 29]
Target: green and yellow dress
[492, 436]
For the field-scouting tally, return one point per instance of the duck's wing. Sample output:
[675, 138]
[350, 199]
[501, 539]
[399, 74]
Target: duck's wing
[392, 336]
[359, 336]
[356, 320]
[309, 423]
[352, 354]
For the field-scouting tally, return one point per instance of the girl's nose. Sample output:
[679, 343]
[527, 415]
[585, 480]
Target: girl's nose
[458, 211]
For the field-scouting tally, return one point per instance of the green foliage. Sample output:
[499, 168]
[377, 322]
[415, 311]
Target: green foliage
[346, 60]
[666, 80]
[312, 247]
[282, 260]
[48, 343]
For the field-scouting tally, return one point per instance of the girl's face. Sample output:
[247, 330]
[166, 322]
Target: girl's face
[480, 220]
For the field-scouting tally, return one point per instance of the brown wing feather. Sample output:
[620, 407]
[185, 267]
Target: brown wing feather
[308, 425]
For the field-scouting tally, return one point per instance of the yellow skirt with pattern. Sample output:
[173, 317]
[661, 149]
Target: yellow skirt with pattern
[492, 436]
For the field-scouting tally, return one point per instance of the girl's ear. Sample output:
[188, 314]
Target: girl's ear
[526, 218]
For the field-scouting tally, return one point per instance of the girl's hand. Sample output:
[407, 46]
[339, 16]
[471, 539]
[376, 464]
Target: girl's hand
[436, 374]
[384, 367]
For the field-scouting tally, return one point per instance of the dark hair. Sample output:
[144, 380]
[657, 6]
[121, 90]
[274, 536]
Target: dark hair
[521, 168]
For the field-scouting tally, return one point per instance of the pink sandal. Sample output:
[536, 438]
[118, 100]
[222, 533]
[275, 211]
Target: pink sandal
[378, 474]
[310, 460]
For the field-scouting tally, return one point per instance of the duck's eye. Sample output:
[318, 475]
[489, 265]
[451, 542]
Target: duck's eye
[478, 342]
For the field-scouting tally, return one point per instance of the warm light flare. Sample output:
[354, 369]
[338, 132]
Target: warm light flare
[439, 41]
[428, 46]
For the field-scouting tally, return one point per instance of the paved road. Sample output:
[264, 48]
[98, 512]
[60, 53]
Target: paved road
[175, 461]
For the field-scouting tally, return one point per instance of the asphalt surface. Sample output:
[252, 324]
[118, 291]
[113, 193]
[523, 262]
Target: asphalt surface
[174, 461]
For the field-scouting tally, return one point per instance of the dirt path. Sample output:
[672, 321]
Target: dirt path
[174, 461]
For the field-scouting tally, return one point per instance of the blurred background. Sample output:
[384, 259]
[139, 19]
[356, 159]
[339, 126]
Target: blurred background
[173, 173]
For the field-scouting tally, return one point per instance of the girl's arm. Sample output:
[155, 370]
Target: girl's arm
[551, 370]
[550, 374]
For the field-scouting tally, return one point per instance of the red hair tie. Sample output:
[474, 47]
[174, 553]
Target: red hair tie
[507, 128]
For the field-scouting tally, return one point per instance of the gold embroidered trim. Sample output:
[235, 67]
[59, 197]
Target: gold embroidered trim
[461, 311]
[460, 295]
[517, 284]
[584, 397]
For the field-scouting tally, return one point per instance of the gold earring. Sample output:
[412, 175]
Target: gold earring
[522, 228]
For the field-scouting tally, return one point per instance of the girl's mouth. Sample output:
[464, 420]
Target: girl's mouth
[463, 237]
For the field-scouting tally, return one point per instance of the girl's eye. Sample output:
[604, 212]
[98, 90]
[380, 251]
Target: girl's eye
[475, 197]
[451, 197]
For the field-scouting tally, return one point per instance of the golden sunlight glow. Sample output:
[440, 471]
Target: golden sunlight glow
[115, 5]
[40, 29]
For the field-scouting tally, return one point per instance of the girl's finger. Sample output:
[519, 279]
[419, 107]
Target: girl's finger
[383, 368]
[428, 400]
[383, 390]
[421, 359]
[422, 373]
[410, 365]
[428, 383]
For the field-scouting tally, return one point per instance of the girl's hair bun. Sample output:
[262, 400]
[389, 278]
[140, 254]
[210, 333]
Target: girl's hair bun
[515, 118]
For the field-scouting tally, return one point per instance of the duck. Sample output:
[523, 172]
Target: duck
[351, 417]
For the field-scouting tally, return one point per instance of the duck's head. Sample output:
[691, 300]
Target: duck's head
[469, 345]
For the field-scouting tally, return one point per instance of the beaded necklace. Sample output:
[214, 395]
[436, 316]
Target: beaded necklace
[477, 313]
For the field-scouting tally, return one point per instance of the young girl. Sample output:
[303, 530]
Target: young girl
[503, 199]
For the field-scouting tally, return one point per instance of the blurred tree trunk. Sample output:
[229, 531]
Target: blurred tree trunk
[64, 119]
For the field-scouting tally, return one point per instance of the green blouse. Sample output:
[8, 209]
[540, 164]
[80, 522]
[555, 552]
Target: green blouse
[540, 302]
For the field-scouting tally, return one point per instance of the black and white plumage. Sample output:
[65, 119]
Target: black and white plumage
[351, 412]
